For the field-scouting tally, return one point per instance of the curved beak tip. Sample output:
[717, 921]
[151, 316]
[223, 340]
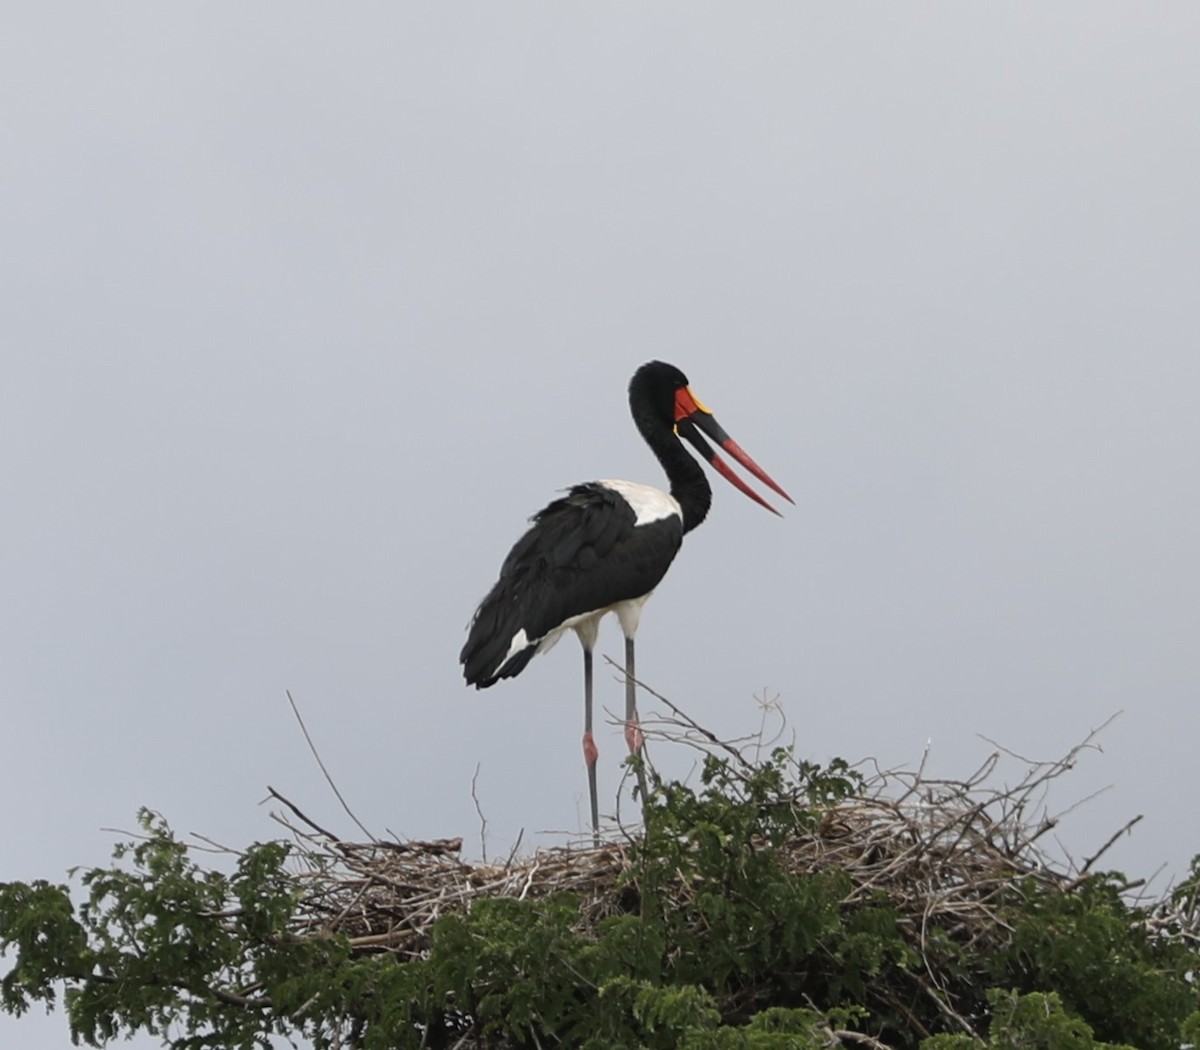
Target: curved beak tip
[692, 418]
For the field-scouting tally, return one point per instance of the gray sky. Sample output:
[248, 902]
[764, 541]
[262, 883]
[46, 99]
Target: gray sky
[305, 310]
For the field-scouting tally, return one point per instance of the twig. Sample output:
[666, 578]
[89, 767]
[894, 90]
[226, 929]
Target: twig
[842, 1036]
[516, 846]
[687, 719]
[479, 810]
[317, 755]
[1104, 849]
[301, 816]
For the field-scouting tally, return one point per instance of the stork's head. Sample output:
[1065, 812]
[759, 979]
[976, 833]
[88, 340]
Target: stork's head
[663, 390]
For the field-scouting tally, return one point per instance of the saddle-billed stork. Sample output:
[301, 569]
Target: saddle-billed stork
[603, 548]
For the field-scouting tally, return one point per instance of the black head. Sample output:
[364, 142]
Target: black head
[665, 410]
[653, 389]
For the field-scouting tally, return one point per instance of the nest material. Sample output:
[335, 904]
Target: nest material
[940, 852]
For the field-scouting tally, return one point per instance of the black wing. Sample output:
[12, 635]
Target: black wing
[583, 553]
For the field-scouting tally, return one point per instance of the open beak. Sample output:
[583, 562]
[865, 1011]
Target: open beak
[691, 417]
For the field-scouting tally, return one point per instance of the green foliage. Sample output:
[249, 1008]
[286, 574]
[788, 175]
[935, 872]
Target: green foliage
[163, 944]
[507, 960]
[1091, 948]
[1020, 1022]
[715, 943]
[38, 921]
[772, 1029]
[709, 881]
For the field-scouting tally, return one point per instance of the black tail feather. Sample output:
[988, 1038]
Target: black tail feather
[497, 622]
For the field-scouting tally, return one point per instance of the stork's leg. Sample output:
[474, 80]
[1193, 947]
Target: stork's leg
[633, 730]
[589, 744]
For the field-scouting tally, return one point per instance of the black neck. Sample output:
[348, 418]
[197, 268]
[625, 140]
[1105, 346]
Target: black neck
[689, 485]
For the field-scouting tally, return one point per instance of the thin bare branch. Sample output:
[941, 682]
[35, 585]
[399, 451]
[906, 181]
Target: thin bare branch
[479, 810]
[317, 755]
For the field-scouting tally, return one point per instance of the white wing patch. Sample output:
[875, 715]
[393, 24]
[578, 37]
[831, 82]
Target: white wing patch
[520, 641]
[648, 503]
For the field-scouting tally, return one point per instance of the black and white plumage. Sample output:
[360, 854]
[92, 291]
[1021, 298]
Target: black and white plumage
[603, 548]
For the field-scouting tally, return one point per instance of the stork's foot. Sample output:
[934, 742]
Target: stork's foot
[590, 754]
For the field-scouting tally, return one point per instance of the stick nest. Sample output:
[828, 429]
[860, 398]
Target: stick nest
[940, 852]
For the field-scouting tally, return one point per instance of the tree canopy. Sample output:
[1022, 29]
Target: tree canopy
[774, 904]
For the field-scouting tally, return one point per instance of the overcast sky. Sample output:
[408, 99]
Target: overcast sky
[306, 309]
